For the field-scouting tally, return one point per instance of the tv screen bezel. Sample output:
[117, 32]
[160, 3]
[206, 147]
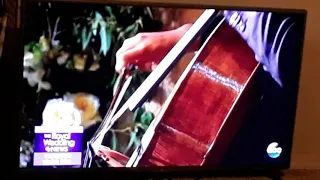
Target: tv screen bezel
[14, 39]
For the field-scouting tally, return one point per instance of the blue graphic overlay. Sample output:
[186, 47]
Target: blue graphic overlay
[58, 146]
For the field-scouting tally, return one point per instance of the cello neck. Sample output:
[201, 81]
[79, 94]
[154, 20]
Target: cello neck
[171, 59]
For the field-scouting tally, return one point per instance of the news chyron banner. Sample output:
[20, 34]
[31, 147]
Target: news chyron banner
[58, 146]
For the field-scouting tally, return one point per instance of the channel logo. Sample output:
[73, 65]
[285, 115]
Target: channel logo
[274, 150]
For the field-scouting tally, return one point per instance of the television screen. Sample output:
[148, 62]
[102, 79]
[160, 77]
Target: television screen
[124, 85]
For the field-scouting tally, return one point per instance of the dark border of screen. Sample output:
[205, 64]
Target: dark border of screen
[14, 69]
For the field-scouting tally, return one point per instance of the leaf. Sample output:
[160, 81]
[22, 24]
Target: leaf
[113, 79]
[75, 30]
[134, 31]
[94, 27]
[70, 64]
[115, 87]
[128, 31]
[146, 118]
[132, 140]
[121, 35]
[137, 142]
[29, 46]
[139, 22]
[98, 16]
[109, 10]
[96, 22]
[85, 38]
[130, 28]
[138, 113]
[114, 141]
[105, 37]
[44, 43]
[122, 9]
[135, 115]
[149, 12]
[37, 55]
[112, 27]
[142, 126]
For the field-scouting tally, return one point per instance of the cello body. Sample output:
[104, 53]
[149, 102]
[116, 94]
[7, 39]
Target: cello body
[206, 107]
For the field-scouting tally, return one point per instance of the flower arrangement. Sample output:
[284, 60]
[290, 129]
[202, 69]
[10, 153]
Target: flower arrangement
[73, 110]
[59, 113]
[69, 68]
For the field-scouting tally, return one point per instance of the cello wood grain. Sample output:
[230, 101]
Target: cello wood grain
[207, 108]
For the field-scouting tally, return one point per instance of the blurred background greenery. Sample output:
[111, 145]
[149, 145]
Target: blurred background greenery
[70, 48]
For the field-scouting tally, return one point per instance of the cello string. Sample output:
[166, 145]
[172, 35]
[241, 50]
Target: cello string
[97, 134]
[108, 123]
[122, 80]
[113, 102]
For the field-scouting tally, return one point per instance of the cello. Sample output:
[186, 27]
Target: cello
[205, 109]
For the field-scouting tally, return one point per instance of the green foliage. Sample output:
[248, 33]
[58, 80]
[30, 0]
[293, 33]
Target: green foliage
[29, 46]
[108, 27]
[133, 138]
[105, 40]
[85, 37]
[105, 25]
[146, 118]
[142, 120]
[114, 140]
[111, 32]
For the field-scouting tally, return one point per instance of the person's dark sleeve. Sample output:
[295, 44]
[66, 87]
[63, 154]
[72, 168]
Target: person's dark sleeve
[290, 56]
[282, 49]
[279, 47]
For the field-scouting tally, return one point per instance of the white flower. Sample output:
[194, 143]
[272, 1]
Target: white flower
[61, 113]
[35, 78]
[28, 59]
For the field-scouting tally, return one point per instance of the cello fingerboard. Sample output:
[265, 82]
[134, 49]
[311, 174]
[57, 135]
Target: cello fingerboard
[204, 105]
